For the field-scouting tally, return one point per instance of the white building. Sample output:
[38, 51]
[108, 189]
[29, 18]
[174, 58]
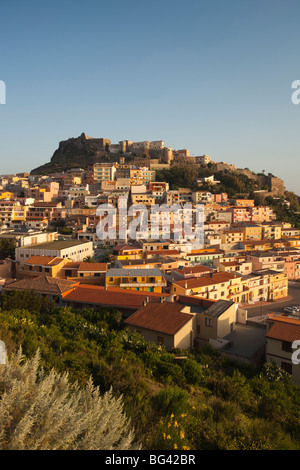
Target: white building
[72, 249]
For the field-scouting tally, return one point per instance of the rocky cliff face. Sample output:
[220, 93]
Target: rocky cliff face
[77, 151]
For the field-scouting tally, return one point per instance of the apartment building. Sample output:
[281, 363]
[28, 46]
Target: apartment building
[231, 264]
[141, 175]
[241, 214]
[266, 285]
[203, 159]
[266, 260]
[216, 286]
[262, 214]
[45, 192]
[100, 172]
[74, 250]
[229, 237]
[41, 214]
[201, 197]
[151, 280]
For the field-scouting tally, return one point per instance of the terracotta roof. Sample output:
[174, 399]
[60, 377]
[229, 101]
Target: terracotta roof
[163, 317]
[42, 284]
[118, 298]
[44, 260]
[92, 267]
[284, 329]
[208, 252]
[216, 278]
[163, 252]
[194, 269]
[71, 265]
[229, 263]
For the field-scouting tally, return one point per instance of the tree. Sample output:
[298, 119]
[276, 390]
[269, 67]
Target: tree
[7, 248]
[47, 412]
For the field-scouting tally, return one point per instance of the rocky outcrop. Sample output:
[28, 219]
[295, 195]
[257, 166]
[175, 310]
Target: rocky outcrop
[80, 151]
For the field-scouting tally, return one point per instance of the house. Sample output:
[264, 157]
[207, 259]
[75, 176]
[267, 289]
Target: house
[84, 272]
[184, 323]
[37, 266]
[151, 280]
[164, 324]
[49, 287]
[282, 332]
[127, 302]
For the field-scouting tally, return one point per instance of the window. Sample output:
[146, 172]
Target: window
[208, 322]
[286, 346]
[287, 367]
[160, 340]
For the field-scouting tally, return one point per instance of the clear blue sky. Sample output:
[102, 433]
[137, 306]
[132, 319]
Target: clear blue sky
[213, 76]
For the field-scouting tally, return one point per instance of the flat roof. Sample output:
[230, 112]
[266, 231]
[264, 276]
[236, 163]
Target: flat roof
[55, 245]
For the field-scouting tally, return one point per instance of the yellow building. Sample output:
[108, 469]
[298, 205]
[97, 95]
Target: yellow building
[37, 266]
[267, 285]
[231, 236]
[150, 280]
[271, 231]
[141, 175]
[6, 195]
[218, 286]
[252, 232]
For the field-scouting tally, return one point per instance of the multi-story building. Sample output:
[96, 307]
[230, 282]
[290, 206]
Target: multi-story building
[45, 192]
[37, 266]
[141, 175]
[262, 214]
[74, 250]
[216, 286]
[203, 159]
[266, 285]
[151, 280]
[41, 214]
[100, 172]
[241, 214]
[266, 260]
[200, 197]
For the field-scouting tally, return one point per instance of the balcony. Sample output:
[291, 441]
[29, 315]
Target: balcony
[143, 284]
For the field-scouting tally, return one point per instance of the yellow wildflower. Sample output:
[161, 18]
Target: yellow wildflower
[175, 446]
[175, 424]
[168, 436]
[181, 435]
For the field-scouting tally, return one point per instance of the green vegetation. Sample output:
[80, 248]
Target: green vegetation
[7, 248]
[203, 402]
[186, 177]
[49, 413]
[286, 208]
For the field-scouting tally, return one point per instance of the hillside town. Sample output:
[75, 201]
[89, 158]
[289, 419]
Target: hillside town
[234, 287]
